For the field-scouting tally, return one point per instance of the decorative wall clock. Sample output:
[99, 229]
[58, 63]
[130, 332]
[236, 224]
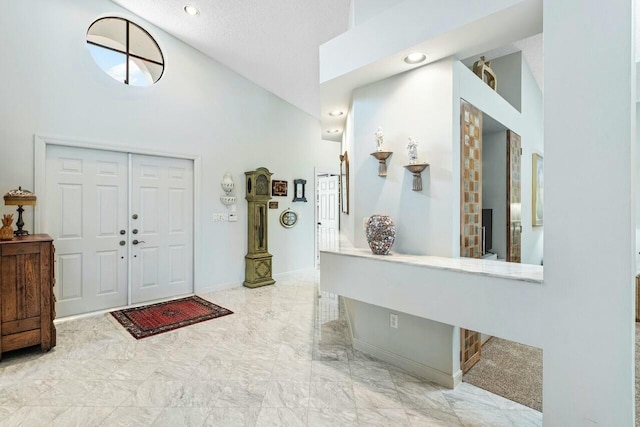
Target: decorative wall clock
[288, 218]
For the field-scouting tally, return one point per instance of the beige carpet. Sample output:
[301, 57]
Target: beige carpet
[514, 371]
[511, 370]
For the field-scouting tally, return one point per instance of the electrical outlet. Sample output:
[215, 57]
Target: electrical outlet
[393, 321]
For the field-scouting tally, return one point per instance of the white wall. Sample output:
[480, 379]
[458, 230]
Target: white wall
[508, 71]
[637, 195]
[347, 220]
[527, 123]
[50, 85]
[589, 205]
[426, 345]
[494, 187]
[416, 104]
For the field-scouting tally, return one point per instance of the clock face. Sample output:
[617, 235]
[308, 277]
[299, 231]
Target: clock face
[288, 218]
[262, 186]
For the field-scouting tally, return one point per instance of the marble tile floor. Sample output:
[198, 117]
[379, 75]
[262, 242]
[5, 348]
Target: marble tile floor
[283, 359]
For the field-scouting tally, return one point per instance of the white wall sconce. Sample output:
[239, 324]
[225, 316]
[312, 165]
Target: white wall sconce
[227, 186]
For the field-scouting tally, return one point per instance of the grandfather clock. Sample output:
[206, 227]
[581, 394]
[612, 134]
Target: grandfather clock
[258, 259]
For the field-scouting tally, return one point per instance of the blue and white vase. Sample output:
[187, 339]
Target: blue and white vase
[381, 233]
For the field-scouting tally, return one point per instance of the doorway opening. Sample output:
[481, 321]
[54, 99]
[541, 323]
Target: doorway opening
[327, 211]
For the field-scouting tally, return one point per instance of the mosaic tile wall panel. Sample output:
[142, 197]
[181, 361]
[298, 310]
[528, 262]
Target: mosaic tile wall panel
[514, 191]
[471, 348]
[470, 212]
[470, 181]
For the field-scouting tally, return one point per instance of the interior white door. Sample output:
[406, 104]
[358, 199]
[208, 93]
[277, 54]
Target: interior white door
[86, 214]
[328, 201]
[162, 227]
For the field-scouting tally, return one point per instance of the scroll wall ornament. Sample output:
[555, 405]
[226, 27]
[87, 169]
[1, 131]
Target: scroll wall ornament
[380, 154]
[414, 166]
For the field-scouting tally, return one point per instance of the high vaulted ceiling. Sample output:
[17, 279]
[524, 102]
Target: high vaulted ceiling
[273, 43]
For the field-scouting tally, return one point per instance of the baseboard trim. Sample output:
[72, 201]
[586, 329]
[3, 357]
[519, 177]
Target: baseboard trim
[287, 275]
[419, 369]
[219, 287]
[122, 307]
[416, 368]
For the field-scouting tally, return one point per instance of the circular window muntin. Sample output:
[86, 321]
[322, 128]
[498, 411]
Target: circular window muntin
[130, 57]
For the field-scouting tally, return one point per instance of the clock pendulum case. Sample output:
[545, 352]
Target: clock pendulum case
[258, 259]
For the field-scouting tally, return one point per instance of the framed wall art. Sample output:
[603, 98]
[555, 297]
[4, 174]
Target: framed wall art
[344, 182]
[279, 188]
[299, 189]
[273, 205]
[537, 213]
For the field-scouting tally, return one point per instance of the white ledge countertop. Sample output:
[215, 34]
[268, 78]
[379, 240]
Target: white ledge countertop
[505, 270]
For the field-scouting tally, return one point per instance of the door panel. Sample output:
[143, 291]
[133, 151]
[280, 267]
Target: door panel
[328, 201]
[86, 207]
[470, 212]
[162, 199]
[514, 195]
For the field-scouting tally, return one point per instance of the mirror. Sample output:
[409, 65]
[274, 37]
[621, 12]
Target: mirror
[344, 182]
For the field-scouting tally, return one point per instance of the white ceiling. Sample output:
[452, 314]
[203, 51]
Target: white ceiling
[273, 43]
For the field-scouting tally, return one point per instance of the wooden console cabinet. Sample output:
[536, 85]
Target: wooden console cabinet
[27, 304]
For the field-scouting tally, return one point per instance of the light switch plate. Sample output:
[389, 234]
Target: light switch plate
[218, 217]
[233, 217]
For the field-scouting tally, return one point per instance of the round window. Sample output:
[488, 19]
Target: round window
[125, 51]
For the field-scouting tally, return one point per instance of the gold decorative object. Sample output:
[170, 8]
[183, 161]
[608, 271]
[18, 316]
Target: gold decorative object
[258, 260]
[6, 232]
[482, 69]
[416, 169]
[382, 157]
[20, 198]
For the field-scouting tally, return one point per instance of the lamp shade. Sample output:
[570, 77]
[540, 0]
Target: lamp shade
[20, 197]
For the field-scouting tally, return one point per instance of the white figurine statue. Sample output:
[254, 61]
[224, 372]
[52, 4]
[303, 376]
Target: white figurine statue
[412, 149]
[379, 138]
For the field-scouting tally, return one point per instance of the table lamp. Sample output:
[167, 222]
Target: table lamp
[20, 198]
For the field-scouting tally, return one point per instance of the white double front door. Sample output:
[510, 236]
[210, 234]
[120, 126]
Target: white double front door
[122, 225]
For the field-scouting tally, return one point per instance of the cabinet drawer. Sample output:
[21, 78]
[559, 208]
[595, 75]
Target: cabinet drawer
[21, 249]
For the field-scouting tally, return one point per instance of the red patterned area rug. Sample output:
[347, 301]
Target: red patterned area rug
[142, 322]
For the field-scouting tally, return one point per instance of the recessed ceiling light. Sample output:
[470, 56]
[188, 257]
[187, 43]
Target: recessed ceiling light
[333, 131]
[336, 113]
[191, 10]
[415, 58]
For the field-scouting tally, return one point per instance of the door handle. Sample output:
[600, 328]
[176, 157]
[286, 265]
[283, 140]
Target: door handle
[135, 242]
